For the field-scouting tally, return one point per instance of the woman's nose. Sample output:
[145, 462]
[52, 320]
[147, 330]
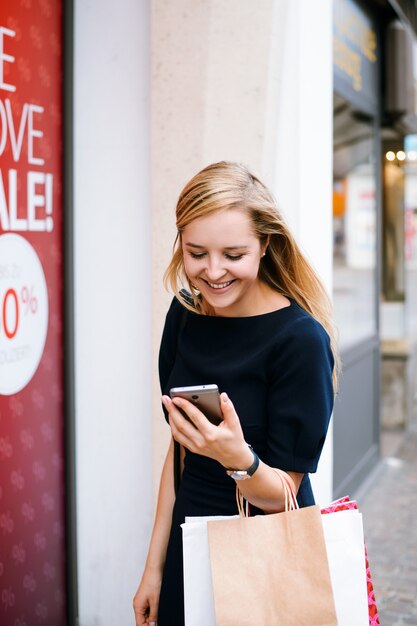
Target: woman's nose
[215, 270]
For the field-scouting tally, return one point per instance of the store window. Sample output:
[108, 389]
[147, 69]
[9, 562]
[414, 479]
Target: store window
[354, 224]
[410, 168]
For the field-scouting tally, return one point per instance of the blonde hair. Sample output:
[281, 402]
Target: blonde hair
[227, 185]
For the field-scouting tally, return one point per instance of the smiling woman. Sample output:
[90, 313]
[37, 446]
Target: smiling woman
[256, 321]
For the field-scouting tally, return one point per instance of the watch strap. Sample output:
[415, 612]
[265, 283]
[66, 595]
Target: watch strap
[235, 473]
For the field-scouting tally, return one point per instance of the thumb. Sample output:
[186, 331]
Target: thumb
[228, 410]
[153, 615]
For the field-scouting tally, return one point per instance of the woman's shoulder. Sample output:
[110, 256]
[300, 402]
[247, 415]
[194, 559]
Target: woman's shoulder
[301, 343]
[305, 323]
[175, 307]
[301, 330]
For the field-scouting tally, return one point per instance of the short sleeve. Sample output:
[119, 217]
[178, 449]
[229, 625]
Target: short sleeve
[300, 397]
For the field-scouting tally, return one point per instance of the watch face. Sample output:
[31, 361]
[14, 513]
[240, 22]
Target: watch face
[240, 475]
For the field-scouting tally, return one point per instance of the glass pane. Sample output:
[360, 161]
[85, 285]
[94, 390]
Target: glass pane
[410, 170]
[354, 225]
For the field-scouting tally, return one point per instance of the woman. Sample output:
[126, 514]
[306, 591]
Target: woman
[256, 321]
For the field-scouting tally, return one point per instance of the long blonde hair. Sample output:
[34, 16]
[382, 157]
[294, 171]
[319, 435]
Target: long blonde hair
[230, 185]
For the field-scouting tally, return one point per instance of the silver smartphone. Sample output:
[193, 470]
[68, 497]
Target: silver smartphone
[204, 397]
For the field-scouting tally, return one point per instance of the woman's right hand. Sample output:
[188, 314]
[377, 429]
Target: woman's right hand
[146, 600]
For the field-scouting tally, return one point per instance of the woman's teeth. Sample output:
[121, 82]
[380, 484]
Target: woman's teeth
[219, 285]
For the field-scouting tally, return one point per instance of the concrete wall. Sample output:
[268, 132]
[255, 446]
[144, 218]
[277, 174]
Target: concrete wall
[112, 305]
[211, 67]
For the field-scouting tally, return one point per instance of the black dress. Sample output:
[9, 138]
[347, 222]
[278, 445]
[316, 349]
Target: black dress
[277, 370]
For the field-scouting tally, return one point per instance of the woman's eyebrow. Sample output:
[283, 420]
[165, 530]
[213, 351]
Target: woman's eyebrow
[196, 245]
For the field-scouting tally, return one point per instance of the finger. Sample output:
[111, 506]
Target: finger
[153, 612]
[181, 416]
[198, 418]
[228, 410]
[182, 423]
[182, 438]
[188, 427]
[140, 617]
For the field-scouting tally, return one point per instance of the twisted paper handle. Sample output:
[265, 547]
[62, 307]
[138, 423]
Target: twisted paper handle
[290, 497]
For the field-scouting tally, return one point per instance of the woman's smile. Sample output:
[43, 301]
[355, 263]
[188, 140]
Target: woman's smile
[219, 286]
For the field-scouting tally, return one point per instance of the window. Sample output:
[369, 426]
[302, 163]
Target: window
[354, 224]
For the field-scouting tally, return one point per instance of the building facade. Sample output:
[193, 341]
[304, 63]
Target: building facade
[153, 92]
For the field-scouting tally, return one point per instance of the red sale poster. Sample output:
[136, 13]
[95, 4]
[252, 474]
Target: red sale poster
[32, 514]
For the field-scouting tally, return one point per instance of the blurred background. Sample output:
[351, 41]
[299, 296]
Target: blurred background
[106, 110]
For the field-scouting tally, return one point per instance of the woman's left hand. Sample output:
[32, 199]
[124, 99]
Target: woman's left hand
[224, 443]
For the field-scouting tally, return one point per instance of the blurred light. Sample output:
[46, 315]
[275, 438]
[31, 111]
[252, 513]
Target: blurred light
[395, 462]
[401, 155]
[390, 156]
[412, 155]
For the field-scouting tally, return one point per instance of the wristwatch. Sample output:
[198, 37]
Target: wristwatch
[245, 474]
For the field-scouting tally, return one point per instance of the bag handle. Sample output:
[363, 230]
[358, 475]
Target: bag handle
[290, 497]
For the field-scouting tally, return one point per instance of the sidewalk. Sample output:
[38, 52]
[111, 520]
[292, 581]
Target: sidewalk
[389, 510]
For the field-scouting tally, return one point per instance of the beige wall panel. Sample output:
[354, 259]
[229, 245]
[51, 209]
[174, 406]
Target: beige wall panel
[179, 42]
[210, 84]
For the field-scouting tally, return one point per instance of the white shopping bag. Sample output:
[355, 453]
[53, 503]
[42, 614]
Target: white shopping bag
[198, 588]
[343, 534]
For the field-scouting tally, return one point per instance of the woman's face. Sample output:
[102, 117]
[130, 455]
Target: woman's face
[221, 259]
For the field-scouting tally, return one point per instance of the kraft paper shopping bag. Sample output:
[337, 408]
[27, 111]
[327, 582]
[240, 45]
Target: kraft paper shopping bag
[271, 569]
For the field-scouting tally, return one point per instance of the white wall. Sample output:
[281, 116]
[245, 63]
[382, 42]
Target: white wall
[112, 305]
[302, 178]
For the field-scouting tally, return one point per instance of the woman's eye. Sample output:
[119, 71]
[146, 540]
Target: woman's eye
[229, 257]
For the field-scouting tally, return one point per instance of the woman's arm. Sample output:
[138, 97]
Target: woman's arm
[264, 489]
[225, 443]
[146, 600]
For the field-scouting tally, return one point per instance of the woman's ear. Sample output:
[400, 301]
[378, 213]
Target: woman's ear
[264, 246]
